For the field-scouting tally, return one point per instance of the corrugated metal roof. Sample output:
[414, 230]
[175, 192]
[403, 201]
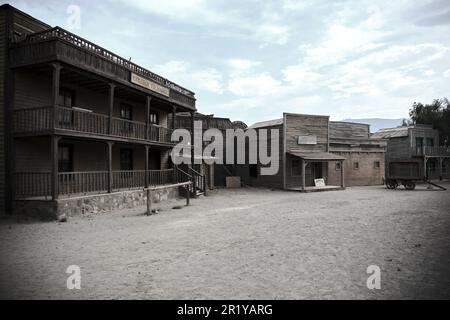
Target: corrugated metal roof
[391, 133]
[318, 156]
[269, 123]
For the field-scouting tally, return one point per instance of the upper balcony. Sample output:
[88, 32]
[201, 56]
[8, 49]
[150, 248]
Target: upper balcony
[430, 151]
[57, 44]
[76, 121]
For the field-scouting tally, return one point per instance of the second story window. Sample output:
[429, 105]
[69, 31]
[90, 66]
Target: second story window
[356, 165]
[126, 111]
[153, 118]
[377, 165]
[430, 142]
[66, 98]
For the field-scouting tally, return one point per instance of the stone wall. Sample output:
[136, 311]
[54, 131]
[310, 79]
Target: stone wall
[90, 205]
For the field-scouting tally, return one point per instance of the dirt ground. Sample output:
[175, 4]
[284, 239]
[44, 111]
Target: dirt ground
[240, 244]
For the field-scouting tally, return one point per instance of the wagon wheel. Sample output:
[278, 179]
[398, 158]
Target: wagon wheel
[409, 185]
[391, 184]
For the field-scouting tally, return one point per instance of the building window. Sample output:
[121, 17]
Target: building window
[338, 166]
[356, 165]
[153, 118]
[296, 168]
[253, 170]
[419, 146]
[66, 98]
[65, 158]
[430, 142]
[377, 165]
[126, 160]
[126, 111]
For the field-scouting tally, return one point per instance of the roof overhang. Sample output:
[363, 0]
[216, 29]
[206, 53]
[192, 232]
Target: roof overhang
[317, 156]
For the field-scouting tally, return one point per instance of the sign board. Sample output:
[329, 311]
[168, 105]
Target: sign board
[319, 182]
[307, 140]
[150, 85]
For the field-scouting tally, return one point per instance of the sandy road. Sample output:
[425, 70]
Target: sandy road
[249, 244]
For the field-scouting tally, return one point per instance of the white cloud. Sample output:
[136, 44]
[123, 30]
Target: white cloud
[447, 73]
[261, 84]
[241, 65]
[272, 33]
[208, 79]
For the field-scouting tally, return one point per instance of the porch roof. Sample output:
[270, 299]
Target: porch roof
[316, 156]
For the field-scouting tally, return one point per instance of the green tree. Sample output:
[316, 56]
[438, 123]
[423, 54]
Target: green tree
[436, 114]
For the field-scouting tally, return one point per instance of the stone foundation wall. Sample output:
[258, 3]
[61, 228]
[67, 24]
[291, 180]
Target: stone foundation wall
[93, 204]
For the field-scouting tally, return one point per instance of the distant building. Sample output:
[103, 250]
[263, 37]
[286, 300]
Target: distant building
[419, 144]
[215, 174]
[312, 147]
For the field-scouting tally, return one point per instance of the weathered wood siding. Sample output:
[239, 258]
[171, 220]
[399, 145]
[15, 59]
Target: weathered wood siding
[424, 132]
[348, 130]
[399, 148]
[3, 48]
[306, 125]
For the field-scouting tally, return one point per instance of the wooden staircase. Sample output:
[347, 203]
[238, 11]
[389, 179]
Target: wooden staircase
[198, 180]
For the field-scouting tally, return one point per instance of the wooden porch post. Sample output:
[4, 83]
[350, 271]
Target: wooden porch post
[147, 118]
[303, 175]
[147, 180]
[342, 175]
[441, 160]
[174, 117]
[194, 177]
[110, 167]
[55, 90]
[54, 156]
[112, 88]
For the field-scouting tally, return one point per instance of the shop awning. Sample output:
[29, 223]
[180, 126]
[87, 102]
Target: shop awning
[317, 156]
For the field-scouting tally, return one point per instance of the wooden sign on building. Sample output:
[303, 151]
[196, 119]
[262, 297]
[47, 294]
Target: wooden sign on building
[150, 85]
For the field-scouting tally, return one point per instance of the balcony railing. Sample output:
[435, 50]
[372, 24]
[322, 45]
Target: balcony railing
[38, 184]
[40, 120]
[430, 151]
[57, 43]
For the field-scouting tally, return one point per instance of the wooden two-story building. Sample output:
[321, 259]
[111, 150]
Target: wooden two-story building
[217, 173]
[419, 146]
[79, 124]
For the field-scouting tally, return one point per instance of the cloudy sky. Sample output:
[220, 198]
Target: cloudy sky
[252, 60]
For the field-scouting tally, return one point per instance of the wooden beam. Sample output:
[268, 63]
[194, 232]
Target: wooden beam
[174, 116]
[54, 140]
[303, 175]
[146, 157]
[110, 145]
[112, 88]
[342, 175]
[147, 117]
[56, 81]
